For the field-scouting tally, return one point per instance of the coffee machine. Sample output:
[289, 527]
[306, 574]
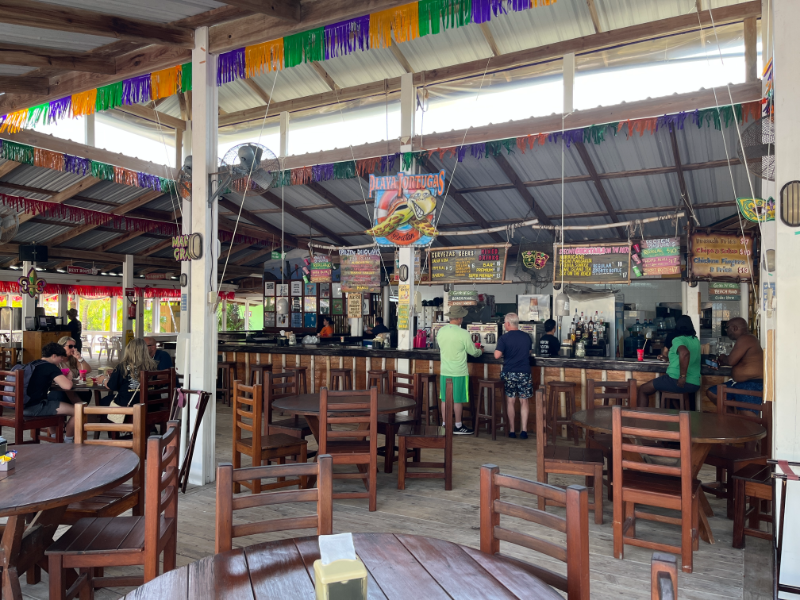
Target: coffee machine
[484, 333]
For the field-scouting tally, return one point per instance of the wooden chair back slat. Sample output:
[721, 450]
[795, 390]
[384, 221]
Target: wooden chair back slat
[760, 413]
[157, 390]
[161, 500]
[278, 385]
[407, 386]
[330, 410]
[227, 503]
[13, 398]
[576, 526]
[597, 390]
[634, 443]
[247, 396]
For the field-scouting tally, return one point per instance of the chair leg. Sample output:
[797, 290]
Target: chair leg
[401, 464]
[34, 575]
[87, 590]
[57, 579]
[739, 510]
[171, 551]
[598, 494]
[390, 440]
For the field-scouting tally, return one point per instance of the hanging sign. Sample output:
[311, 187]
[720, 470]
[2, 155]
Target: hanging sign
[757, 210]
[158, 276]
[657, 257]
[592, 263]
[404, 208]
[353, 306]
[361, 271]
[73, 270]
[130, 292]
[187, 247]
[468, 264]
[31, 284]
[276, 255]
[462, 298]
[724, 292]
[320, 269]
[720, 256]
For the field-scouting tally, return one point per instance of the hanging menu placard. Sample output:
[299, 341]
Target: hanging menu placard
[660, 257]
[595, 263]
[320, 269]
[468, 264]
[720, 257]
[361, 271]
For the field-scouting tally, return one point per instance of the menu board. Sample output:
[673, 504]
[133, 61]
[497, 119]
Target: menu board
[720, 256]
[468, 264]
[320, 269]
[659, 257]
[724, 292]
[462, 298]
[361, 272]
[592, 263]
[353, 306]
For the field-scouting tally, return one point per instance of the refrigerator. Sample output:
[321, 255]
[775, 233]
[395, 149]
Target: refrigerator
[609, 307]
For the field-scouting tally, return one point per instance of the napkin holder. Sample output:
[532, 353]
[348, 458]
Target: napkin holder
[341, 580]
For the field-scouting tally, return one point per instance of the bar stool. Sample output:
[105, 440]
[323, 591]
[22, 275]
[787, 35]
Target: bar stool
[226, 375]
[378, 378]
[260, 370]
[430, 404]
[555, 388]
[344, 376]
[302, 378]
[491, 386]
[684, 402]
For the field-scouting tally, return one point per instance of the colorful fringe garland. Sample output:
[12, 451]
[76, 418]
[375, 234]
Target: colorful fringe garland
[108, 97]
[263, 58]
[346, 36]
[84, 103]
[165, 83]
[48, 160]
[98, 291]
[403, 21]
[433, 14]
[306, 46]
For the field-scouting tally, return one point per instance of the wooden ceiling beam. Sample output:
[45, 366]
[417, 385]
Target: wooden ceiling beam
[325, 76]
[7, 167]
[595, 18]
[291, 210]
[522, 189]
[358, 217]
[676, 155]
[50, 58]
[257, 221]
[598, 184]
[285, 10]
[252, 256]
[148, 113]
[487, 35]
[60, 197]
[31, 13]
[257, 90]
[21, 84]
[400, 57]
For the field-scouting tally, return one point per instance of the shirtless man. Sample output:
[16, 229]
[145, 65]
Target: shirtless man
[747, 360]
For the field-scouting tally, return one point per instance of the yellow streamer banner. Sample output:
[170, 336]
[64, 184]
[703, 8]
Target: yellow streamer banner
[84, 103]
[14, 122]
[165, 83]
[403, 21]
[263, 58]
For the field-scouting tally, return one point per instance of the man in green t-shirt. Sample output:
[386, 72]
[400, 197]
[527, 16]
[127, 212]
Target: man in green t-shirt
[454, 345]
[683, 372]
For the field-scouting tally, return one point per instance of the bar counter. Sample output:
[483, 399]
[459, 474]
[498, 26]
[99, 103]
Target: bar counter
[321, 358]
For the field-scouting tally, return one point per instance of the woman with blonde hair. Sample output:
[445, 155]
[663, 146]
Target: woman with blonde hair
[74, 361]
[124, 379]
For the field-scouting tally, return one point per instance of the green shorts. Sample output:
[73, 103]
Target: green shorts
[460, 388]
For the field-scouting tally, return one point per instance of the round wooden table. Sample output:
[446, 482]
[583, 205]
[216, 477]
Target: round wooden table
[706, 429]
[308, 406]
[398, 566]
[46, 479]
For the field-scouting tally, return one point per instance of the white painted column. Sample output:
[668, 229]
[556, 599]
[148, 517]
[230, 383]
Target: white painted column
[284, 135]
[63, 307]
[156, 312]
[744, 301]
[203, 293]
[127, 282]
[28, 303]
[114, 324]
[185, 322]
[569, 82]
[691, 304]
[88, 130]
[786, 407]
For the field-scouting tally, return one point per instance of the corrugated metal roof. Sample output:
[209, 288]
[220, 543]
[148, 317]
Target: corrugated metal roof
[158, 11]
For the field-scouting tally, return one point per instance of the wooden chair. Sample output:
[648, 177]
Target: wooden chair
[663, 576]
[408, 386]
[248, 415]
[727, 458]
[566, 460]
[416, 436]
[279, 385]
[554, 391]
[352, 447]
[127, 496]
[575, 526]
[342, 378]
[429, 395]
[622, 393]
[487, 393]
[124, 541]
[157, 388]
[752, 483]
[257, 372]
[657, 485]
[676, 400]
[8, 358]
[11, 398]
[226, 375]
[301, 372]
[228, 477]
[378, 378]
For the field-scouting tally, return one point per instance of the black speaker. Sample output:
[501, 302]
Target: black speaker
[33, 253]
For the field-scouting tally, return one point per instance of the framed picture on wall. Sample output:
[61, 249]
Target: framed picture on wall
[365, 306]
[311, 289]
[297, 305]
[282, 321]
[297, 288]
[269, 304]
[297, 320]
[282, 289]
[337, 306]
[269, 319]
[310, 304]
[269, 288]
[324, 290]
[337, 290]
[324, 306]
[310, 320]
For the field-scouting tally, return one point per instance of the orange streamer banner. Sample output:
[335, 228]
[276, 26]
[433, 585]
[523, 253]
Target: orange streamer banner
[403, 21]
[48, 159]
[165, 83]
[263, 58]
[84, 103]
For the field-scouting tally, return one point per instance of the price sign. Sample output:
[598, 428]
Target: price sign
[468, 264]
[361, 272]
[321, 269]
[595, 263]
[720, 257]
[353, 306]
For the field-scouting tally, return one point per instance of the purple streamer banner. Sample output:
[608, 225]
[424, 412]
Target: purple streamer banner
[231, 66]
[322, 172]
[77, 165]
[59, 109]
[151, 182]
[346, 36]
[136, 90]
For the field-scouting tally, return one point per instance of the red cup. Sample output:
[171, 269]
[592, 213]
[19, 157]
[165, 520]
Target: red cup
[65, 372]
[640, 354]
[83, 374]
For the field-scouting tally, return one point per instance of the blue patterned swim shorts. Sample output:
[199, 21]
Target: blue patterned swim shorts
[518, 384]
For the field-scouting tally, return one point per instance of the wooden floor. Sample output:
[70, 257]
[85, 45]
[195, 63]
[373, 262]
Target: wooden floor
[425, 508]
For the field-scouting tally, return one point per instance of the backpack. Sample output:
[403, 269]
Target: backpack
[26, 377]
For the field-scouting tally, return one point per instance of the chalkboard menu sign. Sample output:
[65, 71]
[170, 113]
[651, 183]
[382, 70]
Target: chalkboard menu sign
[361, 271]
[720, 257]
[320, 269]
[468, 264]
[593, 263]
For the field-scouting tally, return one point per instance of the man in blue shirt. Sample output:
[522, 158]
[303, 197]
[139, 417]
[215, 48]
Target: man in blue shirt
[163, 359]
[514, 347]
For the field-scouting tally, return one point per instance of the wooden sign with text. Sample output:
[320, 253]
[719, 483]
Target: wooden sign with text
[468, 264]
[720, 257]
[592, 263]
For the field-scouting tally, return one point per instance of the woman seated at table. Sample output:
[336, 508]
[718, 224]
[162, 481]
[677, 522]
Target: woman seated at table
[327, 328]
[75, 363]
[124, 379]
[683, 372]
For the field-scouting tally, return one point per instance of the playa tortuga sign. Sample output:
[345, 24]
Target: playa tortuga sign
[404, 208]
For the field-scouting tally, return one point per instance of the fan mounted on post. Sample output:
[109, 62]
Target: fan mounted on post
[758, 142]
[250, 162]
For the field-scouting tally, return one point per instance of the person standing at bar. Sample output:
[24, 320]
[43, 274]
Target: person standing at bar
[747, 360]
[514, 347]
[454, 345]
[683, 372]
[75, 328]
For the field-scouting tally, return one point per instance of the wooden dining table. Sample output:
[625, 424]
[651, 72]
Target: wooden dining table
[706, 430]
[47, 478]
[398, 566]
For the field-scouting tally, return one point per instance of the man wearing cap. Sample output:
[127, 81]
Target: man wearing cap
[454, 345]
[75, 328]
